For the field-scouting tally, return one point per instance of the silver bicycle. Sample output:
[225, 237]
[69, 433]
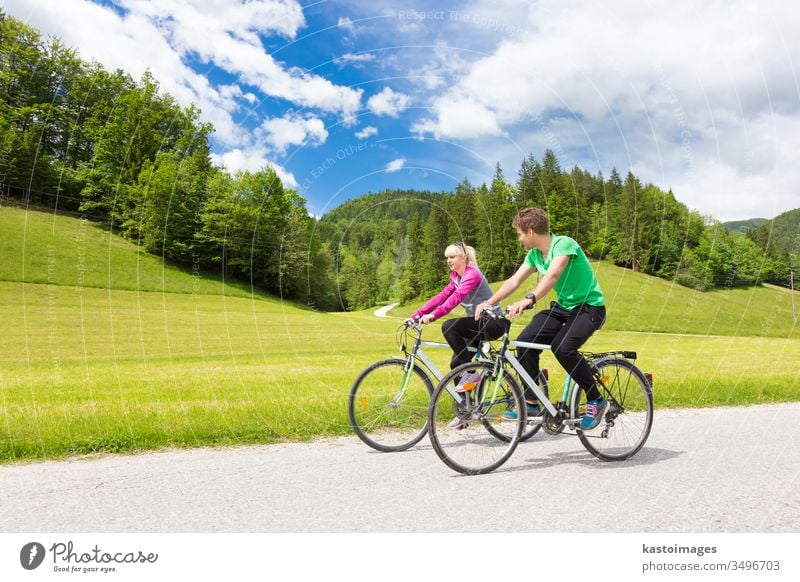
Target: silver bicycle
[486, 435]
[388, 403]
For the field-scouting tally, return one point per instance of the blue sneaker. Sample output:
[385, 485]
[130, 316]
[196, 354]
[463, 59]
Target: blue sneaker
[595, 410]
[533, 410]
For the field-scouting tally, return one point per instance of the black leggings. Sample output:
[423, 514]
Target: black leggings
[464, 332]
[566, 331]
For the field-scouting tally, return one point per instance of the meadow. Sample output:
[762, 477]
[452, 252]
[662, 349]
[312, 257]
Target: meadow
[106, 349]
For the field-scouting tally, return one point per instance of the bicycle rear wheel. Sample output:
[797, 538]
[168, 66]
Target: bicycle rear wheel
[629, 418]
[383, 414]
[484, 440]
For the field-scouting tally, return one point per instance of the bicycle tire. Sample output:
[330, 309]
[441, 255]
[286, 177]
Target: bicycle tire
[378, 419]
[629, 419]
[473, 449]
[529, 430]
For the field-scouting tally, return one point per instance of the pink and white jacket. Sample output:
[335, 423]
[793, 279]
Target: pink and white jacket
[468, 290]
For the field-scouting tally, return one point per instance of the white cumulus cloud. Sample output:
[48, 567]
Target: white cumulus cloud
[164, 35]
[354, 58]
[253, 159]
[388, 102]
[280, 133]
[345, 23]
[395, 165]
[459, 118]
[368, 131]
[695, 96]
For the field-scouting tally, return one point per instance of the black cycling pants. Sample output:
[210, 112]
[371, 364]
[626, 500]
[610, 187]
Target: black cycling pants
[464, 332]
[565, 331]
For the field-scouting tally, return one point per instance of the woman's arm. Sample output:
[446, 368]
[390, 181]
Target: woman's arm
[435, 301]
[506, 289]
[469, 282]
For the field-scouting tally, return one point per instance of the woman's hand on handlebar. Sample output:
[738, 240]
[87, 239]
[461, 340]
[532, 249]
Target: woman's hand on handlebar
[426, 319]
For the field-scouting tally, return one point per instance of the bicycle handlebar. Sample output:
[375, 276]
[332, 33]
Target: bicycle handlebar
[504, 315]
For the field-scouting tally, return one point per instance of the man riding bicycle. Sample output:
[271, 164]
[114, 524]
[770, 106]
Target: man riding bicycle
[578, 312]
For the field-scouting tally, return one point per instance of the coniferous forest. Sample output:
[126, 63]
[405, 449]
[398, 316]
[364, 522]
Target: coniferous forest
[83, 140]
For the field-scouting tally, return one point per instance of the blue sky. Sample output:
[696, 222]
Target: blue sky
[346, 97]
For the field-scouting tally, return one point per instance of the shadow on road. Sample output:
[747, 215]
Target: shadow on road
[647, 456]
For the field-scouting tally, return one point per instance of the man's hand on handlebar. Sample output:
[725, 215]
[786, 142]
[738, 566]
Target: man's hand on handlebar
[517, 308]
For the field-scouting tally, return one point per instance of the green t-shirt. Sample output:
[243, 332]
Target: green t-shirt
[577, 284]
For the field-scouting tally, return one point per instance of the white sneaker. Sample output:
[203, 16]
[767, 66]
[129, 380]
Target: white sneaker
[468, 382]
[458, 423]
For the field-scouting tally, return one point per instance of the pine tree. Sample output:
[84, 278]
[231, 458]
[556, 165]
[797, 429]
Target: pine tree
[411, 281]
[435, 240]
[529, 188]
[463, 214]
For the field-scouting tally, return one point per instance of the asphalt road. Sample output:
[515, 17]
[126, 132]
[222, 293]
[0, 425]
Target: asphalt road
[710, 470]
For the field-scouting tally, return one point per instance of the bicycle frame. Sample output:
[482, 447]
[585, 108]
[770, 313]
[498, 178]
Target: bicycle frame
[568, 383]
[622, 435]
[504, 354]
[416, 353]
[526, 378]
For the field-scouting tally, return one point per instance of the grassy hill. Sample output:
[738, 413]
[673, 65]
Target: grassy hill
[42, 247]
[88, 369]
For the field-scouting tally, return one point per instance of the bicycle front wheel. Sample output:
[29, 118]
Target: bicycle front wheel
[468, 430]
[629, 418]
[535, 422]
[388, 405]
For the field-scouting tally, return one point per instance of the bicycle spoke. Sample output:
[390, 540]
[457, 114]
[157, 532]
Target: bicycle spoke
[627, 423]
[482, 440]
[383, 414]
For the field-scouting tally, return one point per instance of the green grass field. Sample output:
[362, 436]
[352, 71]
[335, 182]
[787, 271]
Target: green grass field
[41, 247]
[194, 362]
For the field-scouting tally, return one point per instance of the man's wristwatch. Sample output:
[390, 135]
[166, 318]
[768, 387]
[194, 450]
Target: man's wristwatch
[531, 296]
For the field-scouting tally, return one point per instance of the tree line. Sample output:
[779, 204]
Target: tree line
[82, 139]
[391, 244]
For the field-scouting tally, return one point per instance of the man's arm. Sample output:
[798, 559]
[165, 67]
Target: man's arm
[507, 288]
[546, 283]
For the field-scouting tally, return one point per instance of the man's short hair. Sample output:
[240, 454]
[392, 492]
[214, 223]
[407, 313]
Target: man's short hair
[534, 219]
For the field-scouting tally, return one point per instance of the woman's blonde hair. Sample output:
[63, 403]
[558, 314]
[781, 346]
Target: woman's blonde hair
[464, 250]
